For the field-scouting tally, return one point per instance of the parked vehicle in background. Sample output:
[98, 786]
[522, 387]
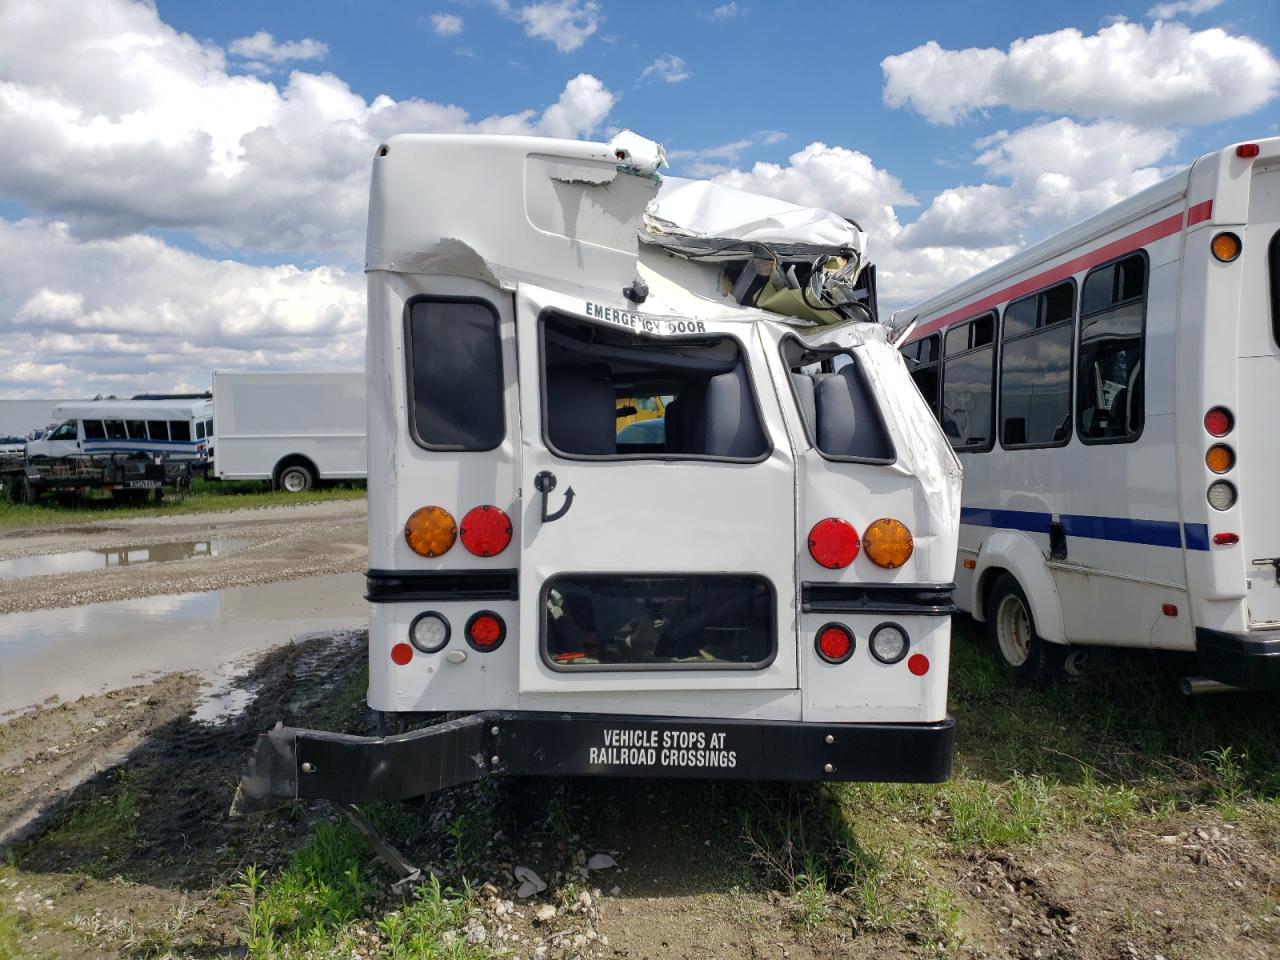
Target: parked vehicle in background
[11, 446]
[755, 585]
[1112, 394]
[173, 429]
[295, 429]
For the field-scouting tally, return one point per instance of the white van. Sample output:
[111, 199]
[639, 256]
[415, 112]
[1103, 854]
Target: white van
[759, 588]
[176, 429]
[1111, 393]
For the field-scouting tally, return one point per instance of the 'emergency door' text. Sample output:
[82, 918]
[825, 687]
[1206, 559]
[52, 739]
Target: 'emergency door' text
[642, 324]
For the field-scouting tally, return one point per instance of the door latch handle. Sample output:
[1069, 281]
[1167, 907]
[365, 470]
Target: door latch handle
[544, 483]
[1273, 562]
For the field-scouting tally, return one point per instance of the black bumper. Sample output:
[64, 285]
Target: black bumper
[1249, 660]
[290, 763]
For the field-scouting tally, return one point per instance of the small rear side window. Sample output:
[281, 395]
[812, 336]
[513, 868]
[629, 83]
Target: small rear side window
[454, 354]
[840, 412]
[199, 429]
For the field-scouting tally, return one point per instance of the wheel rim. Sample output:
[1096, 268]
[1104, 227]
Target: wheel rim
[1013, 631]
[293, 481]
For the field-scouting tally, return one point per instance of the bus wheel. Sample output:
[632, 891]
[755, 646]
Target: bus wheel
[296, 478]
[1011, 632]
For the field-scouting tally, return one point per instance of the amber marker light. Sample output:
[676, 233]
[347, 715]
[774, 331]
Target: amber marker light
[1219, 458]
[887, 543]
[1225, 247]
[430, 531]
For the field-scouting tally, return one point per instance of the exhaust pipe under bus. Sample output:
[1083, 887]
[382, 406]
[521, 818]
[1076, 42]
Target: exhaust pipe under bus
[1197, 686]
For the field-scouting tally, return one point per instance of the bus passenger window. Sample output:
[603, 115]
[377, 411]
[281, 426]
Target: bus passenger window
[94, 430]
[923, 362]
[115, 429]
[455, 374]
[180, 430]
[840, 412]
[158, 429]
[968, 372]
[1035, 369]
[137, 429]
[1109, 404]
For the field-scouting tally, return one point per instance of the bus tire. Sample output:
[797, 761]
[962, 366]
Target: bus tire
[295, 478]
[1011, 634]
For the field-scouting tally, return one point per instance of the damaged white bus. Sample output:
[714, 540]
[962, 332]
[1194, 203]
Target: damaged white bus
[757, 584]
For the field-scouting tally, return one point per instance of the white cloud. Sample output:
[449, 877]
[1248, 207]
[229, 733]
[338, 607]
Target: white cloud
[151, 131]
[1192, 8]
[770, 137]
[446, 24]
[566, 23]
[1058, 172]
[667, 67]
[712, 161]
[1163, 74]
[726, 11]
[123, 315]
[263, 48]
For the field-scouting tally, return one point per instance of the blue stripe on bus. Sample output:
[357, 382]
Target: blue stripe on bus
[1156, 533]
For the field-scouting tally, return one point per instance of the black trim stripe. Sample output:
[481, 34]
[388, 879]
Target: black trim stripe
[903, 599]
[437, 586]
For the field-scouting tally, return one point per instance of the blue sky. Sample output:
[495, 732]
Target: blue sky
[182, 184]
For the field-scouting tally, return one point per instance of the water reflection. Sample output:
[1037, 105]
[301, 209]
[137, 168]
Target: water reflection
[79, 561]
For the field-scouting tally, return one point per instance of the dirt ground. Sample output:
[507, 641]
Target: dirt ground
[286, 543]
[116, 841]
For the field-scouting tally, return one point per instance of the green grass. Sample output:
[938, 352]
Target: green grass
[313, 908]
[105, 826]
[205, 496]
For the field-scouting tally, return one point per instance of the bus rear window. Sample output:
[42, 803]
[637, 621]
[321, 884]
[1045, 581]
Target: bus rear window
[658, 622]
[612, 394]
[840, 412]
[455, 374]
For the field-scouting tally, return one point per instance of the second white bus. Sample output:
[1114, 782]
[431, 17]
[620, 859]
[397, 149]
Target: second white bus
[1112, 392]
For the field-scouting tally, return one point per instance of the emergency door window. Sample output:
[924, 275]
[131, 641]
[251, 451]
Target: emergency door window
[610, 394]
[840, 412]
[968, 375]
[1109, 399]
[658, 622]
[455, 374]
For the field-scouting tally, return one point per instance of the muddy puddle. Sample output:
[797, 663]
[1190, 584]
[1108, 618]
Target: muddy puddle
[73, 651]
[80, 561]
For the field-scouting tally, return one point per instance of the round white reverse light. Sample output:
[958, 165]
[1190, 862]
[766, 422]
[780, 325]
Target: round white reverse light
[888, 643]
[1222, 495]
[429, 632]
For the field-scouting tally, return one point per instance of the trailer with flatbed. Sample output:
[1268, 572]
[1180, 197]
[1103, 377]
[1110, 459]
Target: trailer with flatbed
[25, 479]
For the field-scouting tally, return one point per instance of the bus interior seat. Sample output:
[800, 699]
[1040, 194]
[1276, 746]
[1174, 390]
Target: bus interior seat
[804, 393]
[731, 426]
[847, 424]
[581, 410]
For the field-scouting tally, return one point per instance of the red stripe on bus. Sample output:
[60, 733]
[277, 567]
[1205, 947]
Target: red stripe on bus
[1157, 231]
[1199, 213]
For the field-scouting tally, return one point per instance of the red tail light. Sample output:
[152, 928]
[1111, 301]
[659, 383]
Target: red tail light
[834, 643]
[1247, 150]
[1226, 539]
[401, 654]
[833, 543]
[918, 664]
[486, 631]
[485, 531]
[1219, 421]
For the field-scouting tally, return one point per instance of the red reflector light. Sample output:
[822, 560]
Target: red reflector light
[1247, 150]
[835, 643]
[401, 654]
[918, 664]
[1169, 609]
[486, 631]
[485, 531]
[1219, 421]
[1226, 539]
[833, 543]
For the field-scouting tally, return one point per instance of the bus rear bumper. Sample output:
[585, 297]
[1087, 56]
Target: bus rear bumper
[289, 763]
[1249, 660]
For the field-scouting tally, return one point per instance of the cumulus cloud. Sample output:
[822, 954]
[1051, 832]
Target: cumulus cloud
[151, 131]
[1157, 75]
[262, 47]
[446, 24]
[667, 67]
[1192, 8]
[566, 23]
[124, 315]
[1058, 172]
